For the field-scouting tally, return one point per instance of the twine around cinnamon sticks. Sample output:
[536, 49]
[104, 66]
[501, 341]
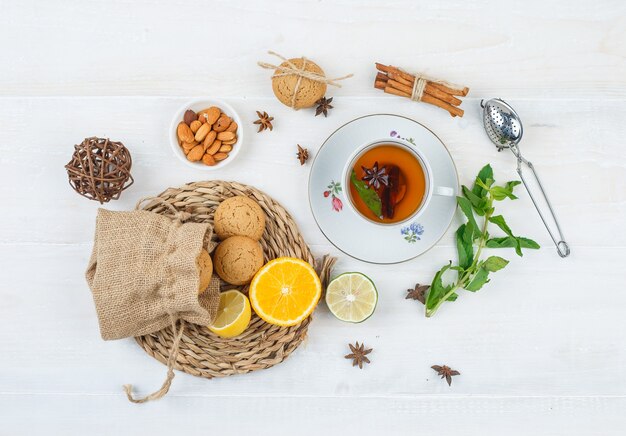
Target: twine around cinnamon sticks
[394, 81]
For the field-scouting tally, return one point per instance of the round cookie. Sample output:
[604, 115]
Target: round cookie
[237, 259]
[309, 90]
[205, 268]
[239, 216]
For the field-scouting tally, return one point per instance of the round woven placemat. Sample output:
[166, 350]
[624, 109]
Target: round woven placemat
[262, 345]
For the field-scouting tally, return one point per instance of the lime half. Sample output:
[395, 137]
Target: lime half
[351, 297]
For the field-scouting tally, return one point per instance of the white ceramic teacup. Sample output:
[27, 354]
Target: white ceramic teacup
[430, 188]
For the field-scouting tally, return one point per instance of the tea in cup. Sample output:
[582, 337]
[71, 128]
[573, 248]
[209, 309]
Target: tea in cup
[390, 182]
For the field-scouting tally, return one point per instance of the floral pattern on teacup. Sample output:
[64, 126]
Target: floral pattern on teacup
[334, 189]
[412, 232]
[395, 134]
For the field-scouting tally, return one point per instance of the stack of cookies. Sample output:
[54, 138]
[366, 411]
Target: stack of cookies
[239, 222]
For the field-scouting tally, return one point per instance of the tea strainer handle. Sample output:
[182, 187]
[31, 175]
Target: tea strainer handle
[562, 247]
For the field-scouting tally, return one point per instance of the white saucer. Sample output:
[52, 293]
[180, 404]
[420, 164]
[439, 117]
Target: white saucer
[358, 237]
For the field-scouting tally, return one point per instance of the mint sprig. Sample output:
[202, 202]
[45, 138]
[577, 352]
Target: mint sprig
[472, 237]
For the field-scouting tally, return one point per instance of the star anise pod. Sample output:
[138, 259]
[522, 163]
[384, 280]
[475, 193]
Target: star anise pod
[358, 354]
[323, 105]
[418, 293]
[375, 177]
[445, 372]
[303, 154]
[264, 121]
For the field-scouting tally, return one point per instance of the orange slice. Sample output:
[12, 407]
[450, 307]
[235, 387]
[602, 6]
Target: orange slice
[285, 291]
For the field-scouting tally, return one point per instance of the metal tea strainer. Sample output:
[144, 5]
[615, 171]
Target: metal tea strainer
[504, 128]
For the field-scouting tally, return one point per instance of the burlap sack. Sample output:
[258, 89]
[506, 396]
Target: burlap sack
[143, 273]
[144, 277]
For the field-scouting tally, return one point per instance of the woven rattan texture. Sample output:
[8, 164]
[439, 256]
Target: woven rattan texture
[262, 345]
[100, 169]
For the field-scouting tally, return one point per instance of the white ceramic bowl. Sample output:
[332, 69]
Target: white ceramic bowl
[198, 105]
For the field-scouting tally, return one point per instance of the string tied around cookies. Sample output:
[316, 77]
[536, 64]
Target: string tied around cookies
[300, 72]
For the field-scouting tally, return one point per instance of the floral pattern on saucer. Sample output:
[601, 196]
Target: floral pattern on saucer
[395, 134]
[412, 232]
[334, 189]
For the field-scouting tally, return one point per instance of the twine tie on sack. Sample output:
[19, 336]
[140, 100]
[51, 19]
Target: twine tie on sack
[292, 69]
[171, 359]
[179, 215]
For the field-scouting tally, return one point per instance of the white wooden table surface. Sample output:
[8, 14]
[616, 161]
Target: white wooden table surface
[541, 348]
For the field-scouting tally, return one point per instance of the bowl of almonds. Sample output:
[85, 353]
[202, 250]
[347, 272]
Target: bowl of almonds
[206, 134]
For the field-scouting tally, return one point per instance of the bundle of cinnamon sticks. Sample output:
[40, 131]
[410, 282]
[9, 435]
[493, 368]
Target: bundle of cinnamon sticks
[394, 81]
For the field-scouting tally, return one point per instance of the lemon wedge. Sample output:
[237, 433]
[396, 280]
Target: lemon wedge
[233, 314]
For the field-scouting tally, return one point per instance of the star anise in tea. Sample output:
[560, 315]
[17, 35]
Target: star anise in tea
[445, 372]
[303, 154]
[323, 105]
[358, 354]
[375, 176]
[264, 122]
[417, 293]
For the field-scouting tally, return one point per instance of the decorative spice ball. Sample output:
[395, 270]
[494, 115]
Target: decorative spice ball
[100, 169]
[296, 91]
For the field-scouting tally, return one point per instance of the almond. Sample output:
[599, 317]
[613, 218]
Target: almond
[207, 159]
[189, 117]
[220, 156]
[209, 139]
[226, 148]
[213, 114]
[225, 136]
[231, 142]
[184, 132]
[196, 153]
[233, 127]
[202, 132]
[215, 147]
[202, 117]
[188, 145]
[222, 123]
[195, 125]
